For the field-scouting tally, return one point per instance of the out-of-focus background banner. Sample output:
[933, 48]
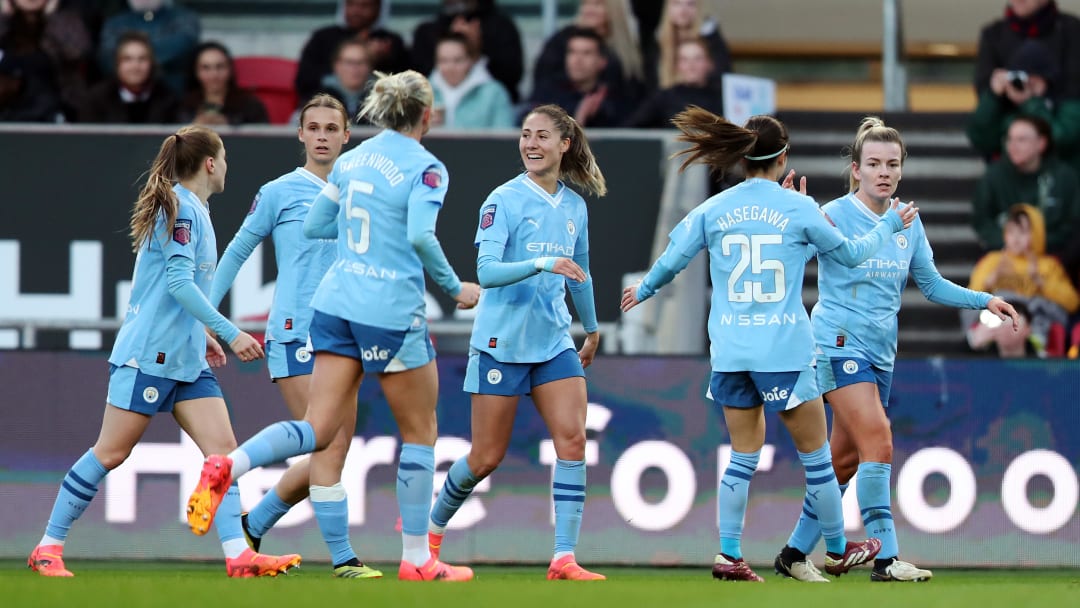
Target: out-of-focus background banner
[985, 467]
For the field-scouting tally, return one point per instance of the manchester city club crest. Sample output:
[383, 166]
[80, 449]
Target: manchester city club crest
[570, 227]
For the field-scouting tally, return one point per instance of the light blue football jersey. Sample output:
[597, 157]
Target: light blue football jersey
[528, 321]
[378, 278]
[158, 336]
[757, 235]
[278, 211]
[856, 312]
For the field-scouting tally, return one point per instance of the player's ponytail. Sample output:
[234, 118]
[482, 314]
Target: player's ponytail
[181, 156]
[871, 128]
[578, 164]
[721, 144]
[398, 101]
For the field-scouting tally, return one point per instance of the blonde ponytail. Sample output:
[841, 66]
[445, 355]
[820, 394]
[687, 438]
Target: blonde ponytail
[871, 129]
[398, 101]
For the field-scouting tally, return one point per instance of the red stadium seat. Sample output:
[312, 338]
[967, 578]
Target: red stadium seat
[271, 80]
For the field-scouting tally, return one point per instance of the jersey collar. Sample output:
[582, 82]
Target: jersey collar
[311, 177]
[552, 199]
[861, 207]
[181, 191]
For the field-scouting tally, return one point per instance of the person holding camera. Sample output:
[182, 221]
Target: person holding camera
[1032, 84]
[1025, 20]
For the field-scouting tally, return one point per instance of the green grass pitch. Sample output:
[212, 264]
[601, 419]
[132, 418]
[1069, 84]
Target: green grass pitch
[186, 584]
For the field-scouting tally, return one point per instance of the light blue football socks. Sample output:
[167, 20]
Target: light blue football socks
[568, 492]
[875, 502]
[227, 523]
[731, 500]
[807, 532]
[332, 515]
[79, 487]
[416, 470]
[273, 444]
[823, 495]
[456, 489]
[267, 513]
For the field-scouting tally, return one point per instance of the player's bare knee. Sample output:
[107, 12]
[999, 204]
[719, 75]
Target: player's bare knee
[880, 453]
[483, 461]
[324, 433]
[423, 431]
[845, 470]
[110, 458]
[875, 445]
[570, 447]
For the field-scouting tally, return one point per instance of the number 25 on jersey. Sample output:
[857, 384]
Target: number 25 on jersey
[749, 250]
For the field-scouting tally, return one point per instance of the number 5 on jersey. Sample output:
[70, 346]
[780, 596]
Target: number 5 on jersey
[749, 247]
[358, 227]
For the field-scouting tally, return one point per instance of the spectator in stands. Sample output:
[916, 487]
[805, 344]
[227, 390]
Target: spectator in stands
[386, 50]
[613, 22]
[1030, 20]
[693, 86]
[494, 39]
[57, 40]
[466, 94]
[1021, 271]
[1028, 173]
[582, 91]
[683, 21]
[173, 30]
[135, 94]
[213, 97]
[24, 98]
[1032, 85]
[349, 80]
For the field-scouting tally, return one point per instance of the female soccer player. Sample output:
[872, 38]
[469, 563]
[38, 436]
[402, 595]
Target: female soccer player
[278, 211]
[159, 362]
[521, 336]
[381, 203]
[757, 235]
[855, 325]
